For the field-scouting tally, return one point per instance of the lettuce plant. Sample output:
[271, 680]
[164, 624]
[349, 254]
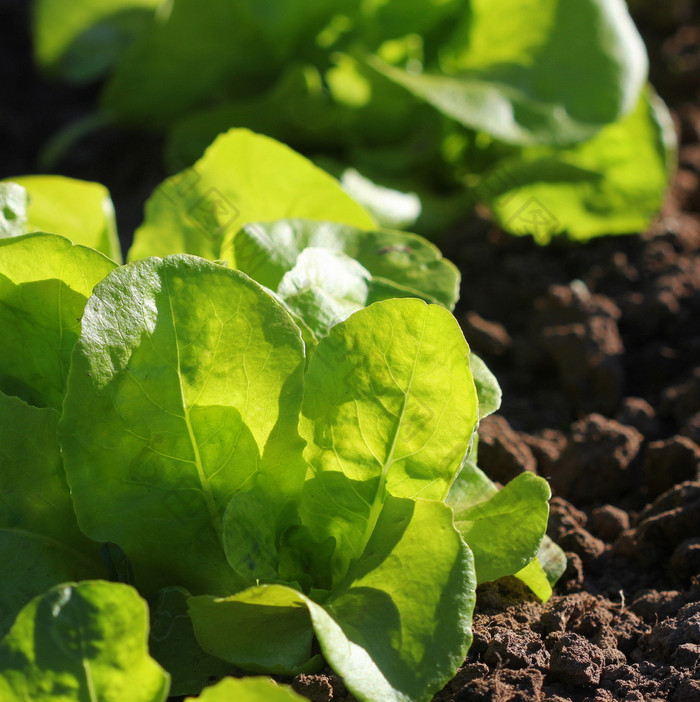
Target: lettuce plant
[540, 110]
[286, 473]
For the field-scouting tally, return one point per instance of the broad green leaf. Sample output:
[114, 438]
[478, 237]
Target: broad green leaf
[307, 335]
[487, 387]
[44, 284]
[319, 303]
[396, 629]
[400, 626]
[79, 210]
[82, 39]
[265, 629]
[265, 542]
[389, 408]
[552, 559]
[381, 289]
[267, 251]
[13, 210]
[173, 644]
[40, 543]
[326, 286]
[248, 690]
[79, 642]
[505, 531]
[507, 69]
[473, 490]
[185, 389]
[242, 178]
[613, 184]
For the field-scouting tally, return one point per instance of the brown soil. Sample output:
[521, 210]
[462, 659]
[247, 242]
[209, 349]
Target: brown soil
[597, 348]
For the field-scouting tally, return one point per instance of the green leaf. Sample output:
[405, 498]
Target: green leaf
[396, 629]
[389, 408]
[613, 184]
[40, 543]
[535, 577]
[77, 209]
[506, 70]
[44, 284]
[242, 178]
[81, 40]
[487, 387]
[267, 251]
[172, 643]
[248, 690]
[265, 629]
[473, 489]
[185, 389]
[78, 642]
[552, 559]
[400, 625]
[13, 210]
[505, 531]
[542, 572]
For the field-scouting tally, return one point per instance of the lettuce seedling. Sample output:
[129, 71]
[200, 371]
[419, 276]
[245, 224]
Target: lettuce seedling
[291, 495]
[192, 397]
[287, 474]
[539, 110]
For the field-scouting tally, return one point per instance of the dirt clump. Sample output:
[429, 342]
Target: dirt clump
[599, 460]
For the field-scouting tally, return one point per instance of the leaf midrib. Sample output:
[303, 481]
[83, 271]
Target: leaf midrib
[205, 485]
[378, 502]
